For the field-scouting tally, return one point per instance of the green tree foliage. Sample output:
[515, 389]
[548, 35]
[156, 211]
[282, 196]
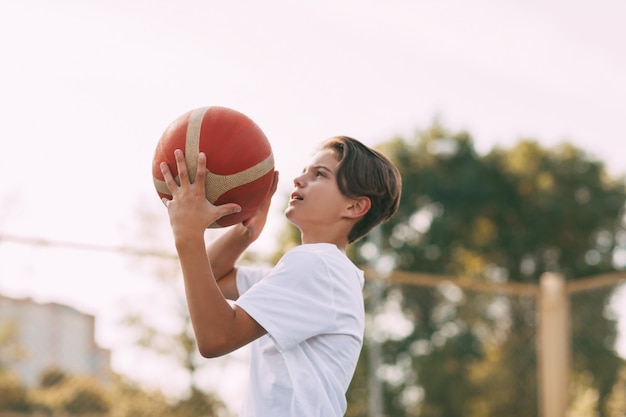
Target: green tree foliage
[14, 393]
[129, 400]
[507, 216]
[72, 395]
[63, 395]
[51, 377]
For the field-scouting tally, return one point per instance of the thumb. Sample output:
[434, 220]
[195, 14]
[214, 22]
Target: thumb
[228, 208]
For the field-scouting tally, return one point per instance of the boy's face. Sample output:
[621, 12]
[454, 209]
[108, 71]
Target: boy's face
[316, 202]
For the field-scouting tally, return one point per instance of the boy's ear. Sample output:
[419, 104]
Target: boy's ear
[359, 207]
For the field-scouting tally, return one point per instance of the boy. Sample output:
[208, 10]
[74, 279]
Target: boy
[305, 316]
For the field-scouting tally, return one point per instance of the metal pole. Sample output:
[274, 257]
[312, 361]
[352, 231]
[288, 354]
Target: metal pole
[553, 346]
[375, 408]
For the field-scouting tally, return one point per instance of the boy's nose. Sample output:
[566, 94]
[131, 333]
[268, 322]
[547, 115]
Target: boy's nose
[298, 181]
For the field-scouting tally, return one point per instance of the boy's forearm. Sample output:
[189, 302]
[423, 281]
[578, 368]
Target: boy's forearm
[224, 251]
[210, 313]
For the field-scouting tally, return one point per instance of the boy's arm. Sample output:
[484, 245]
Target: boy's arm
[219, 327]
[224, 251]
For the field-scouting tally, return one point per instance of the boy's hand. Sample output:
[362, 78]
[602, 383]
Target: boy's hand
[256, 223]
[189, 210]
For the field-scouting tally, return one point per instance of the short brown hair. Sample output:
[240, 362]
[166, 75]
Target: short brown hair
[365, 172]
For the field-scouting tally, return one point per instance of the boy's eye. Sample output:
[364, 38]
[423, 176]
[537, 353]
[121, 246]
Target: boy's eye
[320, 174]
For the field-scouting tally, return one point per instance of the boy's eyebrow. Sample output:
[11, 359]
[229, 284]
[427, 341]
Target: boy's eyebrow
[324, 167]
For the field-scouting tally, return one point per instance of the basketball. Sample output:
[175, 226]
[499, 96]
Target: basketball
[240, 162]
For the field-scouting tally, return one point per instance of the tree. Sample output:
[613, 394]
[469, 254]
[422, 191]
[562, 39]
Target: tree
[14, 393]
[74, 395]
[507, 216]
[71, 395]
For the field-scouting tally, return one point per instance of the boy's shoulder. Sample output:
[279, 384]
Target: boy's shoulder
[316, 255]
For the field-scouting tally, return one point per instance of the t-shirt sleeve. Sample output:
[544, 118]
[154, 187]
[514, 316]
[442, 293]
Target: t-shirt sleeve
[248, 276]
[295, 301]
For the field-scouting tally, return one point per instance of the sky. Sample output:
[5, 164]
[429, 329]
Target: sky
[87, 89]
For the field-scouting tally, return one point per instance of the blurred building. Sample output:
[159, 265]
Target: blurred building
[35, 337]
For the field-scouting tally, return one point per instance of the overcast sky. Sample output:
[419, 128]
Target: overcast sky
[87, 88]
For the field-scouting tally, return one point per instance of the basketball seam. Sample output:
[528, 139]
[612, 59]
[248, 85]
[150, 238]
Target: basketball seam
[217, 184]
[227, 182]
[192, 140]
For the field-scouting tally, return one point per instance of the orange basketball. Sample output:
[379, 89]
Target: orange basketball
[240, 163]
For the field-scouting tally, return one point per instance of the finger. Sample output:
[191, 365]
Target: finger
[272, 191]
[228, 208]
[201, 171]
[181, 165]
[166, 201]
[168, 177]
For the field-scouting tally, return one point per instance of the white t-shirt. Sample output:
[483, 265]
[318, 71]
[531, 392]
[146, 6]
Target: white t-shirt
[311, 305]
